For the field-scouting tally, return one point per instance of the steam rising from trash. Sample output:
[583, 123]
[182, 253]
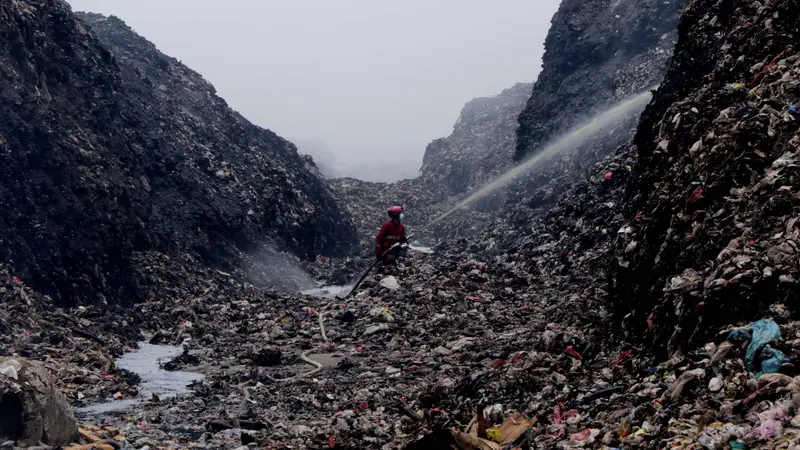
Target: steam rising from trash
[273, 268]
[568, 141]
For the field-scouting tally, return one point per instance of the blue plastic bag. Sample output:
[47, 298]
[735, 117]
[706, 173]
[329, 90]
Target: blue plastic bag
[763, 332]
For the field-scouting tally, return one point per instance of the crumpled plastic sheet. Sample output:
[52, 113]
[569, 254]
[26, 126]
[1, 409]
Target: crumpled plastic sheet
[763, 331]
[10, 368]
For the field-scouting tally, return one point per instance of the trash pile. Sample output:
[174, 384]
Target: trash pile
[481, 145]
[596, 54]
[426, 353]
[134, 151]
[78, 346]
[710, 207]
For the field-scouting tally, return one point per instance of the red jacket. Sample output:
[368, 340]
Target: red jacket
[390, 234]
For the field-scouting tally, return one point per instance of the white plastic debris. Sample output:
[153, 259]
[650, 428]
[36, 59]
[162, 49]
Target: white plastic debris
[390, 283]
[10, 368]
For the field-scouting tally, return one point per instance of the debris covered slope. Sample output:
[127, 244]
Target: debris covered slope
[682, 242]
[108, 147]
[712, 203]
[481, 145]
[597, 53]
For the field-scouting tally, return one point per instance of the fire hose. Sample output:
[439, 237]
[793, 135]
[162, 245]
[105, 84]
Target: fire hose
[372, 266]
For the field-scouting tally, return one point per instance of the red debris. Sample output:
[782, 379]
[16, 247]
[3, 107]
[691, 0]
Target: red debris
[622, 357]
[557, 414]
[608, 175]
[501, 362]
[766, 69]
[571, 352]
[697, 195]
[582, 436]
[559, 417]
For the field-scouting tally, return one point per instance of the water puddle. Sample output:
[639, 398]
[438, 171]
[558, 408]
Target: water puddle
[145, 363]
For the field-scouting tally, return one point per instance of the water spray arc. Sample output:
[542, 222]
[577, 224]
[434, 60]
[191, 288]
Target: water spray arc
[570, 140]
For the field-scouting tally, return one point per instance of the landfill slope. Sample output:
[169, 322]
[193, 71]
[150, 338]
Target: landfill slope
[598, 317]
[108, 147]
[481, 145]
[713, 197]
[597, 53]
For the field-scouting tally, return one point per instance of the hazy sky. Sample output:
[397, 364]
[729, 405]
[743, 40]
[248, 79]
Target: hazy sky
[375, 79]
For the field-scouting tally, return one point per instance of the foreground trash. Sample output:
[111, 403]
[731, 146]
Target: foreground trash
[32, 409]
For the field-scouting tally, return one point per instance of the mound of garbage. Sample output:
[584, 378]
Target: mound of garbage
[597, 53]
[481, 145]
[711, 200]
[479, 149]
[108, 147]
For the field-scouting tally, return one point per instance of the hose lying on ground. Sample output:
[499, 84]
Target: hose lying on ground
[305, 358]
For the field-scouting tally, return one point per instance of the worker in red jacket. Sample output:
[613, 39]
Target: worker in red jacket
[392, 232]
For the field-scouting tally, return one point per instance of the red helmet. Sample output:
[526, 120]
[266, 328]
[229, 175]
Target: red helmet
[395, 211]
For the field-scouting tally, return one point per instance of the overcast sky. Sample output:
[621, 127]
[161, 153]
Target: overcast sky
[375, 79]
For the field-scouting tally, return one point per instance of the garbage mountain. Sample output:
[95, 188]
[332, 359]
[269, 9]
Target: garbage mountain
[481, 145]
[597, 54]
[109, 148]
[712, 197]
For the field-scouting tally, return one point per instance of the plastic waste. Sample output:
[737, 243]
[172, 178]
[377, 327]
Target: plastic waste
[760, 356]
[10, 368]
[376, 329]
[768, 430]
[390, 283]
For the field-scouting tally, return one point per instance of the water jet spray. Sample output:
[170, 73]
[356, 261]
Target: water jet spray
[567, 141]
